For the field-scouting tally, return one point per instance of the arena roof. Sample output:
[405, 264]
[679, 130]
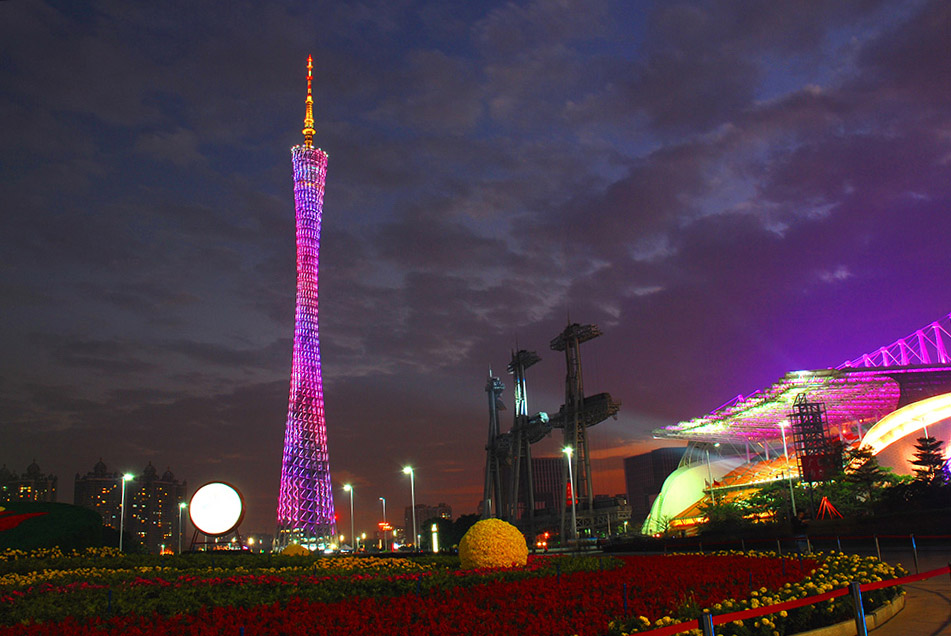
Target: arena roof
[850, 395]
[863, 390]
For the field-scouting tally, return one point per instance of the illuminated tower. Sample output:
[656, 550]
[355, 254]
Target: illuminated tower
[305, 507]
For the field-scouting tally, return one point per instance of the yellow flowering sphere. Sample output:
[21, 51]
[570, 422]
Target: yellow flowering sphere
[295, 550]
[492, 543]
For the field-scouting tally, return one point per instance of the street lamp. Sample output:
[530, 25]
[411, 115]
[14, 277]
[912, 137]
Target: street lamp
[385, 545]
[181, 506]
[125, 478]
[408, 470]
[349, 489]
[713, 496]
[792, 495]
[568, 450]
[782, 427]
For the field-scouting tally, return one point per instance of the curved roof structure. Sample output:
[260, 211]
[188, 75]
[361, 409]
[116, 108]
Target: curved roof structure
[850, 395]
[862, 390]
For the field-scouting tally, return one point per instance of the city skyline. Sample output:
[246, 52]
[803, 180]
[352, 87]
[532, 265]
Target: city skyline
[729, 192]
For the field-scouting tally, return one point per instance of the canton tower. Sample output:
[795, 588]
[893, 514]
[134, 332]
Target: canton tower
[305, 506]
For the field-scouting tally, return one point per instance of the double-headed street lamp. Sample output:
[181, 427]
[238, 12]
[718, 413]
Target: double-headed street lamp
[408, 470]
[126, 477]
[181, 506]
[353, 537]
[568, 450]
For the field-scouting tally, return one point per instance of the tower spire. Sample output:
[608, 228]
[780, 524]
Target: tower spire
[309, 112]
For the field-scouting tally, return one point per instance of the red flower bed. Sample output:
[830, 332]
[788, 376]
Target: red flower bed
[581, 603]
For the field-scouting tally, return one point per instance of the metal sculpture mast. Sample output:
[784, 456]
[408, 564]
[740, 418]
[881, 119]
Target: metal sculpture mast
[579, 412]
[495, 450]
[525, 432]
[305, 508]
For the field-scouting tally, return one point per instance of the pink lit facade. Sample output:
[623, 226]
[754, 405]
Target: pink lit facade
[305, 509]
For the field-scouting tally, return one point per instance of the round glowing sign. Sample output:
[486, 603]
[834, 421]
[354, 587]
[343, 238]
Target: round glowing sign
[216, 508]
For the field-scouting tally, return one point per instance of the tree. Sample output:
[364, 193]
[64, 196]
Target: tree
[461, 526]
[725, 517]
[865, 473]
[930, 468]
[772, 499]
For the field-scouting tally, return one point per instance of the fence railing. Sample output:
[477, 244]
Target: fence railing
[708, 621]
[805, 543]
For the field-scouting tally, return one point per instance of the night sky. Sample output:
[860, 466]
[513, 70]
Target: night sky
[730, 190]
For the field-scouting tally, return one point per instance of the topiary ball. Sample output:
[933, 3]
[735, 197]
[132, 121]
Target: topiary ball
[492, 543]
[295, 549]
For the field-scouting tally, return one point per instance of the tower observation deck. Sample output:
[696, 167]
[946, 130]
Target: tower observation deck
[305, 508]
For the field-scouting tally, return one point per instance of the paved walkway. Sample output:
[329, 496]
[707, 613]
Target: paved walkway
[927, 603]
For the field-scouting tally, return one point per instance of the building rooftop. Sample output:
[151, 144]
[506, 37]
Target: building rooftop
[849, 394]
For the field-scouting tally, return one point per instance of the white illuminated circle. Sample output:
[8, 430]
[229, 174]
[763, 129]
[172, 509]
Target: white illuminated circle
[216, 508]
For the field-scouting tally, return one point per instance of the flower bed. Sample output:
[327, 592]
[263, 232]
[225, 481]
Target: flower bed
[108, 594]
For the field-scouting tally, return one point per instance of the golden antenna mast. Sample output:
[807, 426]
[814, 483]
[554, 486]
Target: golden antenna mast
[309, 112]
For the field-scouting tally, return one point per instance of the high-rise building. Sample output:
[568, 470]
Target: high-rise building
[547, 475]
[153, 514]
[32, 485]
[152, 504]
[644, 476]
[305, 507]
[100, 490]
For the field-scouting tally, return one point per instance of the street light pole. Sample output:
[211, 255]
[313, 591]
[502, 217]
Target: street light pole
[792, 494]
[713, 496]
[353, 537]
[568, 450]
[408, 470]
[385, 544]
[782, 427]
[126, 477]
[181, 506]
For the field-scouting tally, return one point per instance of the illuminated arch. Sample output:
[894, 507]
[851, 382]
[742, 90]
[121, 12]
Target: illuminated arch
[683, 488]
[914, 417]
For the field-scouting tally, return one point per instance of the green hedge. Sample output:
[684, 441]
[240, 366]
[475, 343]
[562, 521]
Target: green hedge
[56, 524]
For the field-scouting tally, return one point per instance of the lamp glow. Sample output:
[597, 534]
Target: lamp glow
[568, 451]
[349, 489]
[181, 506]
[126, 477]
[408, 470]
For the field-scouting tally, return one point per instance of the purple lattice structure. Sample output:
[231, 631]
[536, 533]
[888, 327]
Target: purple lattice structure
[924, 346]
[305, 507]
[856, 394]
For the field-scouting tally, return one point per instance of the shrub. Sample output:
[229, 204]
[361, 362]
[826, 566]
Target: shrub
[492, 543]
